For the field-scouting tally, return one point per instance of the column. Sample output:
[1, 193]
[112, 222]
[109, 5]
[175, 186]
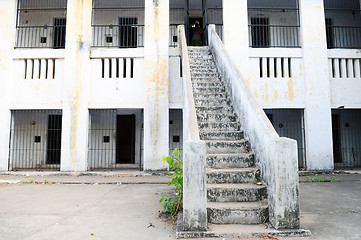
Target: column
[7, 33]
[235, 32]
[76, 78]
[156, 62]
[319, 153]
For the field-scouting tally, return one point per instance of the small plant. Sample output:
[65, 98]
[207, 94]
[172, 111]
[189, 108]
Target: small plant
[324, 179]
[173, 203]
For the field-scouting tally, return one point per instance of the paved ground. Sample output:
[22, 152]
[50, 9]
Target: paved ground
[125, 206]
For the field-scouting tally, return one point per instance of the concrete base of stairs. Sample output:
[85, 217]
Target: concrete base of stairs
[237, 230]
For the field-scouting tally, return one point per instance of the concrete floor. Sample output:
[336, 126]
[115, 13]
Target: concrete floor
[130, 210]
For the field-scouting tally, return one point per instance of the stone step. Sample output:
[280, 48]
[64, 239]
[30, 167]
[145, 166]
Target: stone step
[222, 147]
[195, 69]
[209, 95]
[201, 61]
[203, 67]
[219, 126]
[234, 135]
[217, 117]
[209, 90]
[237, 212]
[200, 55]
[202, 75]
[207, 84]
[199, 49]
[243, 192]
[214, 109]
[219, 161]
[211, 102]
[233, 175]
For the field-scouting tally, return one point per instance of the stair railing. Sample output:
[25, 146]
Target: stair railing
[194, 152]
[276, 156]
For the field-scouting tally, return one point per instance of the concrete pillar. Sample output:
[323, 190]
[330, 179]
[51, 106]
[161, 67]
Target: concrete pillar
[194, 186]
[7, 33]
[156, 109]
[74, 145]
[235, 32]
[319, 153]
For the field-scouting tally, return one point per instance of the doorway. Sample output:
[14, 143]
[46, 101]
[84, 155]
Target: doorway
[54, 139]
[336, 138]
[260, 32]
[125, 144]
[196, 32]
[59, 32]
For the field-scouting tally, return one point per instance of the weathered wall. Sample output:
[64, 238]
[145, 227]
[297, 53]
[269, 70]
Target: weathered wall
[7, 30]
[345, 77]
[280, 83]
[77, 76]
[318, 102]
[235, 32]
[194, 153]
[277, 157]
[175, 79]
[156, 63]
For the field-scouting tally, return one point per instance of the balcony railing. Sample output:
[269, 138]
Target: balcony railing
[343, 37]
[173, 35]
[121, 36]
[266, 36]
[40, 36]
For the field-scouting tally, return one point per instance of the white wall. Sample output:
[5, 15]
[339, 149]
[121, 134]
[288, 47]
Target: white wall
[175, 80]
[276, 91]
[7, 38]
[345, 77]
[38, 79]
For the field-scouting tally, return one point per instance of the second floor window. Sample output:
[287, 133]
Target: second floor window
[118, 23]
[273, 23]
[343, 23]
[41, 24]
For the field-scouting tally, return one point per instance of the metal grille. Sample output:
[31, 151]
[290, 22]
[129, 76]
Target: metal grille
[273, 23]
[113, 140]
[346, 136]
[290, 123]
[35, 139]
[343, 23]
[175, 130]
[176, 17]
[41, 24]
[118, 23]
[214, 15]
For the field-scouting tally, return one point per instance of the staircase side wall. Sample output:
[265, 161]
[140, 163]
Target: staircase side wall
[277, 157]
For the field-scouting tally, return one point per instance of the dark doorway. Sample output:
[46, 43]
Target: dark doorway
[128, 32]
[59, 32]
[54, 139]
[125, 139]
[329, 33]
[195, 31]
[336, 138]
[260, 32]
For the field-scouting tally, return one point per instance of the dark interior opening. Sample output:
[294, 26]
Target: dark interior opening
[59, 32]
[125, 151]
[260, 32]
[336, 138]
[196, 32]
[54, 139]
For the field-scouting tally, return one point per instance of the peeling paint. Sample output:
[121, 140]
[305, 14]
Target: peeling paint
[291, 94]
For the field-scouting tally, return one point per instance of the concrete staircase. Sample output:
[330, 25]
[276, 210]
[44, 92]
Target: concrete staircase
[232, 193]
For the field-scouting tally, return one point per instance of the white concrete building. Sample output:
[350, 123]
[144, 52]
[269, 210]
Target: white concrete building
[97, 84]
